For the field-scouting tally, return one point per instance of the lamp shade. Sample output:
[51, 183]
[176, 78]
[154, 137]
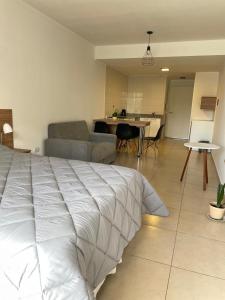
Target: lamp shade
[7, 128]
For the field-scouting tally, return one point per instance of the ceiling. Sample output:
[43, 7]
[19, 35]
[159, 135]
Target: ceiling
[126, 21]
[179, 66]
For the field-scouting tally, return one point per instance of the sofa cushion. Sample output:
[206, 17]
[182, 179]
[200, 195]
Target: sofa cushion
[101, 151]
[76, 130]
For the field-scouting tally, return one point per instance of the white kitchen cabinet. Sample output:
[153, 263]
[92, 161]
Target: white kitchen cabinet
[154, 126]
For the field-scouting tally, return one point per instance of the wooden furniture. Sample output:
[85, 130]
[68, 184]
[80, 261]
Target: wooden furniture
[208, 103]
[22, 150]
[205, 148]
[6, 117]
[140, 124]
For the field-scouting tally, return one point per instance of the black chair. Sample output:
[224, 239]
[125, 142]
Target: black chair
[101, 127]
[124, 133]
[136, 132]
[153, 141]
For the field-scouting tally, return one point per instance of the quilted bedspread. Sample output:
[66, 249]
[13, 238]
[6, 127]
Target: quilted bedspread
[64, 224]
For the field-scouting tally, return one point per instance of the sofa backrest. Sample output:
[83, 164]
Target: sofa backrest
[76, 130]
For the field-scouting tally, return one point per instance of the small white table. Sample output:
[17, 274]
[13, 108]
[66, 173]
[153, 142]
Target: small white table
[205, 147]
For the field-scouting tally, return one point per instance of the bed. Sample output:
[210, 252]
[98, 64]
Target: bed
[64, 224]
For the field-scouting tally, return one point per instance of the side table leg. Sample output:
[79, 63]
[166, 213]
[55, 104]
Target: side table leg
[206, 167]
[205, 170]
[185, 165]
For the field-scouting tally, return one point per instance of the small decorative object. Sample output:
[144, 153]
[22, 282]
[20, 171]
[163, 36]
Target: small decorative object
[147, 59]
[217, 209]
[6, 128]
[115, 114]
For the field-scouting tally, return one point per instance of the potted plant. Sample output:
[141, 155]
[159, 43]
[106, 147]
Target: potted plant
[217, 209]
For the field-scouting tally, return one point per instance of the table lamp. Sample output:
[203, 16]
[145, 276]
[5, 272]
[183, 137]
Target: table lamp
[6, 128]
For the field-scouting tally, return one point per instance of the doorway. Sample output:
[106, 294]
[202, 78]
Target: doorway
[178, 108]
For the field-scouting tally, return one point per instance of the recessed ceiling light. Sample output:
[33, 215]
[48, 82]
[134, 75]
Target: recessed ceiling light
[165, 69]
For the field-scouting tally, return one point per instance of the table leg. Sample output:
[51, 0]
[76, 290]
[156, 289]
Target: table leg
[206, 167]
[205, 170]
[140, 142]
[185, 165]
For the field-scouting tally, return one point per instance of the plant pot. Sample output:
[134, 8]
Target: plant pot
[114, 118]
[216, 212]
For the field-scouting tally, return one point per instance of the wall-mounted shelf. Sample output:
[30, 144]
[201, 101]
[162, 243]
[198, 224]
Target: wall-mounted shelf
[208, 103]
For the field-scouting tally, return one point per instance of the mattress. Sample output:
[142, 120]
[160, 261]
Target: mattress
[64, 224]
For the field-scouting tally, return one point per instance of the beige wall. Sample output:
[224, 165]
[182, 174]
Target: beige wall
[137, 94]
[115, 91]
[146, 94]
[47, 73]
[219, 128]
[205, 85]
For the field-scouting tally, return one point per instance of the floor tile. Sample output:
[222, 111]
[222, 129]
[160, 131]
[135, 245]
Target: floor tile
[168, 186]
[153, 243]
[199, 172]
[187, 285]
[169, 222]
[136, 279]
[200, 225]
[200, 255]
[165, 174]
[195, 204]
[198, 180]
[172, 200]
[198, 190]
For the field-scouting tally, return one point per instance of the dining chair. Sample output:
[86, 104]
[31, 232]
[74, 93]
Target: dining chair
[101, 127]
[125, 134]
[153, 141]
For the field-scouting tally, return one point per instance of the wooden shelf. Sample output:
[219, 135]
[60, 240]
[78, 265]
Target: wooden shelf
[208, 103]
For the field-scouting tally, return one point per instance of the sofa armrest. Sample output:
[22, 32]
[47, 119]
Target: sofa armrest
[103, 138]
[69, 149]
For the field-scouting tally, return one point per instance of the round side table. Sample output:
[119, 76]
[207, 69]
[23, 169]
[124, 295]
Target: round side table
[205, 147]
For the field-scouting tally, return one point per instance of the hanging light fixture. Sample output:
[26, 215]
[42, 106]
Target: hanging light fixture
[148, 59]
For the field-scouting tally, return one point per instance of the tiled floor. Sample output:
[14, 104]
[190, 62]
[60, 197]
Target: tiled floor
[179, 257]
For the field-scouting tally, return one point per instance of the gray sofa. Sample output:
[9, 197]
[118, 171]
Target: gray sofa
[72, 140]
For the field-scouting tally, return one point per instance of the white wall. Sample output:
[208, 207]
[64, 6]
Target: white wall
[219, 128]
[164, 49]
[205, 85]
[115, 91]
[146, 94]
[47, 73]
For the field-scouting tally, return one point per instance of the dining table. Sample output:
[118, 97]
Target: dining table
[140, 124]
